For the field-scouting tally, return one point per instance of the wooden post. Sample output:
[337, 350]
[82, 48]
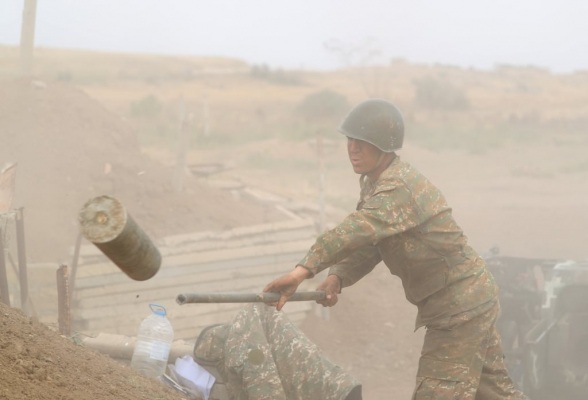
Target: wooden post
[4, 293]
[27, 36]
[22, 262]
[181, 151]
[321, 170]
[30, 303]
[74, 265]
[63, 305]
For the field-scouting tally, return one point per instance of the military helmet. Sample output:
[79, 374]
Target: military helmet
[375, 121]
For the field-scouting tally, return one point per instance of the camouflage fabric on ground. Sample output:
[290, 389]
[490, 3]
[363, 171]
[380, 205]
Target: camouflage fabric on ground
[261, 355]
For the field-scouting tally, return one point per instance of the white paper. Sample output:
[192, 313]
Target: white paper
[193, 376]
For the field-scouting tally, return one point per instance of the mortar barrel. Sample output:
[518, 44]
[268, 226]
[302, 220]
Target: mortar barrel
[105, 222]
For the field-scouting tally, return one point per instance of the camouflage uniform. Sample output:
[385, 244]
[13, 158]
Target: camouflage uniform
[263, 356]
[403, 220]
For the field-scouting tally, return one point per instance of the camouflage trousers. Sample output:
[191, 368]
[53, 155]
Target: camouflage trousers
[462, 358]
[261, 355]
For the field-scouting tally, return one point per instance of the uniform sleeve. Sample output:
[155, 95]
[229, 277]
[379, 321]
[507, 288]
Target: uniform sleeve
[385, 214]
[356, 266]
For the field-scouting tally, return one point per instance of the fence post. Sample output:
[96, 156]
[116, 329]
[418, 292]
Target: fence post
[4, 293]
[22, 262]
[63, 305]
[27, 37]
[74, 265]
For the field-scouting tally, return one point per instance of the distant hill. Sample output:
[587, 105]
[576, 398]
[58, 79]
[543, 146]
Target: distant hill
[228, 101]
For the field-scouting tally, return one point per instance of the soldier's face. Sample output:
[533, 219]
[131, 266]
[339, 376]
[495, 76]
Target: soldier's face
[364, 156]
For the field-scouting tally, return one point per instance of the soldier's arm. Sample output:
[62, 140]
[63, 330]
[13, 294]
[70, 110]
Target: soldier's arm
[356, 266]
[383, 215]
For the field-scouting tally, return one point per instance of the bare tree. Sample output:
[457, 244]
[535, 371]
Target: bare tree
[362, 56]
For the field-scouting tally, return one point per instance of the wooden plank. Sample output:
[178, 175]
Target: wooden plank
[186, 321]
[266, 228]
[183, 319]
[218, 243]
[298, 246]
[120, 278]
[130, 326]
[240, 232]
[274, 237]
[129, 303]
[197, 278]
[263, 196]
[252, 230]
[192, 332]
[255, 270]
[170, 291]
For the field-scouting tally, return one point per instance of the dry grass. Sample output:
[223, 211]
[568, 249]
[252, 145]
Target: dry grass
[504, 105]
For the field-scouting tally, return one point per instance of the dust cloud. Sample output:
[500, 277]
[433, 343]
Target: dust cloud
[188, 143]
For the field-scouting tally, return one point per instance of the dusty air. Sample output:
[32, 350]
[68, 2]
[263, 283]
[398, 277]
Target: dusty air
[257, 201]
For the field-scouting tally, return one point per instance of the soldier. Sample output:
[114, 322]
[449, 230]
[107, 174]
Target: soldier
[404, 220]
[261, 355]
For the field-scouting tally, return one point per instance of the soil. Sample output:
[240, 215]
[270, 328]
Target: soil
[69, 149]
[38, 363]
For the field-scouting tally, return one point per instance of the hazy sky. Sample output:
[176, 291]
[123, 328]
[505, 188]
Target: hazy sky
[291, 34]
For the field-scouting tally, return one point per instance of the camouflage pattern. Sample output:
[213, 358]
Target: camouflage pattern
[405, 221]
[462, 359]
[261, 355]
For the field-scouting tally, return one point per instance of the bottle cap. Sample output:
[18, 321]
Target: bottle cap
[158, 309]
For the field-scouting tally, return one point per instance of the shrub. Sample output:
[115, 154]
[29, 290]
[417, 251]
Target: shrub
[435, 94]
[147, 107]
[323, 105]
[277, 76]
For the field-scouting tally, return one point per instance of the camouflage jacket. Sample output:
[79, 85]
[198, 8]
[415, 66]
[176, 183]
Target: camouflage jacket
[261, 355]
[405, 221]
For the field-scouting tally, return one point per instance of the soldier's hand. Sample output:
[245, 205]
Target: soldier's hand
[332, 286]
[286, 285]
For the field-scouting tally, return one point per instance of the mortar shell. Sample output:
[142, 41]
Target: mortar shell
[105, 222]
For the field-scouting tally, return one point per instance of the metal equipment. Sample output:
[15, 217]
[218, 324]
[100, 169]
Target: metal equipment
[266, 297]
[105, 222]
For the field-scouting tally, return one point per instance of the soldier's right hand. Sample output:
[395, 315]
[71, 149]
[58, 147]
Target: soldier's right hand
[332, 286]
[286, 285]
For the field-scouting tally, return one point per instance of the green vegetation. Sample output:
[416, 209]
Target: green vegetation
[147, 107]
[436, 94]
[325, 105]
[277, 76]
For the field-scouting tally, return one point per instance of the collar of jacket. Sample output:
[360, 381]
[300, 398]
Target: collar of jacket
[386, 181]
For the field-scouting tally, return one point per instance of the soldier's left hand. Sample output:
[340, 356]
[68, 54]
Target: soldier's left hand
[332, 286]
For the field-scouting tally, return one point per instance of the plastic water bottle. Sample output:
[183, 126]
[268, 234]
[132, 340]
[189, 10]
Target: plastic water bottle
[153, 344]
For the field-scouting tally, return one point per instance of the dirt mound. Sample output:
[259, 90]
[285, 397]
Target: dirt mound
[38, 363]
[69, 149]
